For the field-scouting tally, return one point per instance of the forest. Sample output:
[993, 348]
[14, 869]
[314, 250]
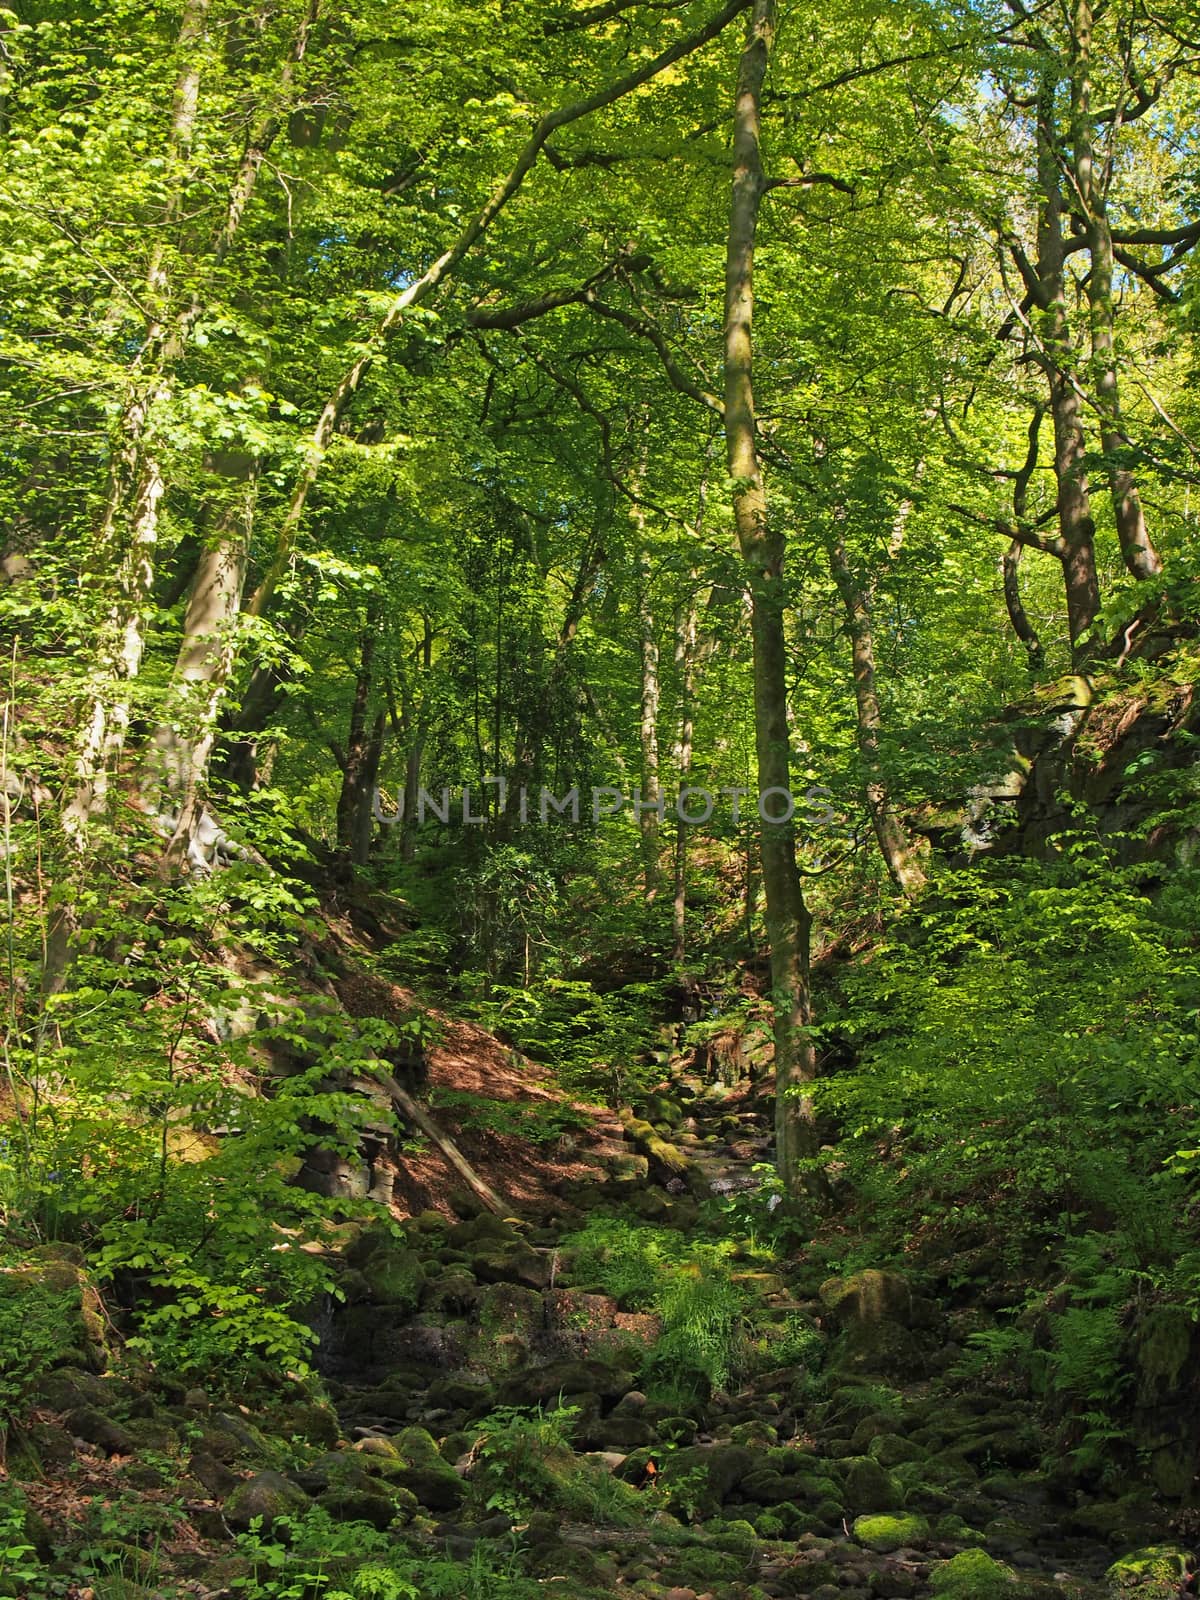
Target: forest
[600, 799]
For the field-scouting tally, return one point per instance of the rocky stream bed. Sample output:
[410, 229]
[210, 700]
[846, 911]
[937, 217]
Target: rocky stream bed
[869, 1468]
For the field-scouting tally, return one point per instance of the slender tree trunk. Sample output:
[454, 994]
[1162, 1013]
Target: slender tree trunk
[762, 547]
[183, 742]
[360, 766]
[129, 526]
[137, 483]
[651, 792]
[1137, 549]
[1076, 525]
[894, 842]
[685, 664]
[1017, 615]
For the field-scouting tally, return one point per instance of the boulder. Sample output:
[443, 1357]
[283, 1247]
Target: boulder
[268, 1495]
[96, 1427]
[425, 1472]
[1156, 1573]
[868, 1487]
[885, 1534]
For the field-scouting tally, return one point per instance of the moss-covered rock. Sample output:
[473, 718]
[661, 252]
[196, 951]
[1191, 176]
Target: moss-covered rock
[369, 1504]
[766, 1487]
[1156, 1573]
[51, 1296]
[268, 1495]
[501, 1261]
[885, 1534]
[394, 1277]
[721, 1469]
[96, 1427]
[868, 1487]
[973, 1575]
[423, 1470]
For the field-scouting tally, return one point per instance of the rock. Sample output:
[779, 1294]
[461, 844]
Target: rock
[677, 1430]
[371, 1505]
[869, 1296]
[501, 1262]
[268, 1495]
[892, 1451]
[619, 1433]
[212, 1474]
[972, 1575]
[49, 1448]
[51, 1287]
[568, 1378]
[885, 1534]
[453, 1292]
[308, 1420]
[756, 1434]
[394, 1277]
[426, 1473]
[766, 1487]
[723, 1467]
[1156, 1573]
[868, 1487]
[95, 1427]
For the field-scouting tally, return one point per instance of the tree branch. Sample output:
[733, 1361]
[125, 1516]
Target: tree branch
[423, 286]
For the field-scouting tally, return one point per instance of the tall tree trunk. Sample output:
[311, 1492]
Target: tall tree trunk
[894, 843]
[1137, 549]
[1076, 525]
[1017, 615]
[183, 741]
[137, 483]
[651, 791]
[361, 757]
[129, 525]
[762, 546]
[685, 665]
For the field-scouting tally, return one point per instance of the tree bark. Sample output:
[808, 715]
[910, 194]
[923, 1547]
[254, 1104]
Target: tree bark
[1076, 524]
[1137, 549]
[137, 482]
[183, 742]
[651, 791]
[363, 752]
[762, 547]
[894, 843]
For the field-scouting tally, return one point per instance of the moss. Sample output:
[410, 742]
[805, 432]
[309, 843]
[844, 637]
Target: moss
[267, 1495]
[885, 1534]
[972, 1575]
[1156, 1571]
[394, 1277]
[869, 1488]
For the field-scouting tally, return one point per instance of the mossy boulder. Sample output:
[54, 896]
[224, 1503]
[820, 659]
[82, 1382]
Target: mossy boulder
[452, 1291]
[501, 1261]
[766, 1487]
[268, 1495]
[49, 1299]
[371, 1503]
[96, 1427]
[869, 1487]
[1156, 1573]
[885, 1534]
[424, 1471]
[973, 1575]
[394, 1277]
[722, 1469]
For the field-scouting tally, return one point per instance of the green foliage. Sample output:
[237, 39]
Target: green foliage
[37, 1322]
[540, 1122]
[704, 1314]
[520, 1457]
